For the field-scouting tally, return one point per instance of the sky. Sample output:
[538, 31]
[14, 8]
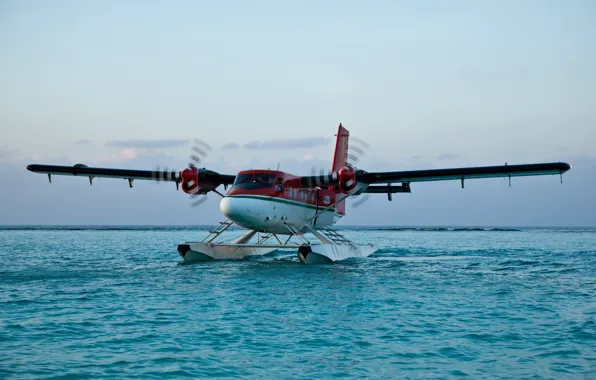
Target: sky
[426, 84]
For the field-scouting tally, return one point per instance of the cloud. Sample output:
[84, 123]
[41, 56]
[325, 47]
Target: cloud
[125, 155]
[82, 142]
[450, 156]
[6, 152]
[231, 146]
[130, 153]
[148, 144]
[306, 142]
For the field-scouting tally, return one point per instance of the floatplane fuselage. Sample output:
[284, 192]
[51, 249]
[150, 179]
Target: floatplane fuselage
[272, 204]
[268, 201]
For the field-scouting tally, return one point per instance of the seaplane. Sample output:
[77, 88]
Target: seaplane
[280, 210]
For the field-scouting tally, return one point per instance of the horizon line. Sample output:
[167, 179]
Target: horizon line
[337, 225]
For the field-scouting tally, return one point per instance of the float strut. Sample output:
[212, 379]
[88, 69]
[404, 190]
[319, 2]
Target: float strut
[90, 181]
[130, 182]
[50, 177]
[462, 183]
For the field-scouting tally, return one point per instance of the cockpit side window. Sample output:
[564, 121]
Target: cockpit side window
[264, 178]
[242, 178]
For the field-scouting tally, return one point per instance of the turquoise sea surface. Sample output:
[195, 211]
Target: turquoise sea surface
[115, 302]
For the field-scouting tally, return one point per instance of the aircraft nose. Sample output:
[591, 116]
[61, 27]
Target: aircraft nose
[230, 208]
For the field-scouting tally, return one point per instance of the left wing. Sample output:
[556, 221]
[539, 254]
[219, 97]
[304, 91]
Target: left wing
[193, 180]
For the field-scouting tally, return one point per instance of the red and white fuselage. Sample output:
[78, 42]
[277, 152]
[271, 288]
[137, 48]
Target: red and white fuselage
[268, 200]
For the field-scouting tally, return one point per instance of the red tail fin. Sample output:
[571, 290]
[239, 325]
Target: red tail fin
[340, 159]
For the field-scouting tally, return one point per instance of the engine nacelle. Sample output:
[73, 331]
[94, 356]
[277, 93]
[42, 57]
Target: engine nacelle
[346, 178]
[193, 182]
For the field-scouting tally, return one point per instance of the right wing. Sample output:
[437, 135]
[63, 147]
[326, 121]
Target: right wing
[207, 180]
[406, 177]
[429, 175]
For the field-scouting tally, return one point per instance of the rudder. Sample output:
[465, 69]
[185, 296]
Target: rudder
[340, 159]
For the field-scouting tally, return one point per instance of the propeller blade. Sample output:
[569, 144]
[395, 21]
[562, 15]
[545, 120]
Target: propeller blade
[201, 199]
[359, 141]
[200, 148]
[360, 201]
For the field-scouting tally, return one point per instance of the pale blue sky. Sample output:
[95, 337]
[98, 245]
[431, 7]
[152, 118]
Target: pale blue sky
[491, 82]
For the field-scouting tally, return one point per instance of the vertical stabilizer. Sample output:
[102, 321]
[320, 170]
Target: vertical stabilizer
[340, 159]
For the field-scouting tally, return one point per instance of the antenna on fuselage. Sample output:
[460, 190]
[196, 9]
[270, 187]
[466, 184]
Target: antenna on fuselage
[277, 166]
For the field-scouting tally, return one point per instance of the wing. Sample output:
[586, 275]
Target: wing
[463, 173]
[409, 176]
[206, 179]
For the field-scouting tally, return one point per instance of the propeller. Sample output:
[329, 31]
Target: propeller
[356, 150]
[321, 177]
[199, 151]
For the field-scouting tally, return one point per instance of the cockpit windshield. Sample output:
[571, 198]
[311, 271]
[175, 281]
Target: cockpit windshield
[252, 181]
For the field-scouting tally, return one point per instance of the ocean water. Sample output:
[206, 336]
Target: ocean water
[431, 303]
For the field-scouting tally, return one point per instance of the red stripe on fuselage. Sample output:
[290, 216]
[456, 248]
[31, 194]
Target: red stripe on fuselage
[291, 187]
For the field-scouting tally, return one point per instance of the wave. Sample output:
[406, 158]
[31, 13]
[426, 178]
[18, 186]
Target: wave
[445, 229]
[111, 228]
[471, 229]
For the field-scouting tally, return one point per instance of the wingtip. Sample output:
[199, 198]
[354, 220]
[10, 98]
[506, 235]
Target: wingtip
[566, 166]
